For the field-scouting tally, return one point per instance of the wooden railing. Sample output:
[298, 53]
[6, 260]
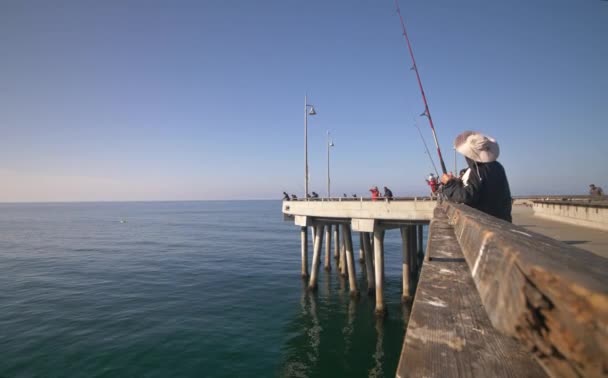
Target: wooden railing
[550, 296]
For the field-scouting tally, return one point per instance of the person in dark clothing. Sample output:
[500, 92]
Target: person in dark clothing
[388, 194]
[315, 195]
[595, 191]
[484, 185]
[294, 197]
[285, 196]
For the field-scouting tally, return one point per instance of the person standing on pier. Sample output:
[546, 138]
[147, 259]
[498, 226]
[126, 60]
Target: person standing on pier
[595, 191]
[433, 184]
[375, 193]
[388, 194]
[484, 186]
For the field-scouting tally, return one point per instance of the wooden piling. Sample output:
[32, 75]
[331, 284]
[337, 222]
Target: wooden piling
[304, 237]
[379, 267]
[405, 261]
[350, 260]
[369, 265]
[327, 264]
[316, 257]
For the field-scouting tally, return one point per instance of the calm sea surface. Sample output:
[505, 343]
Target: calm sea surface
[181, 289]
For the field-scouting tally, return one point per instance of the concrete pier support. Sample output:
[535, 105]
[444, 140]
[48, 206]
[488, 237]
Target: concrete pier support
[406, 261]
[304, 237]
[369, 265]
[413, 254]
[342, 263]
[379, 266]
[350, 260]
[337, 242]
[316, 257]
[327, 264]
[420, 251]
[361, 250]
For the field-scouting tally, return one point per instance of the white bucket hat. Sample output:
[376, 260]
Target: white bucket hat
[477, 147]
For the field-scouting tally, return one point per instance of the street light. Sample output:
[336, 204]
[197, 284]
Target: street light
[330, 143]
[306, 113]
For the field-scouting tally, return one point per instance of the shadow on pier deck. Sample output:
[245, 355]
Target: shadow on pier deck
[493, 299]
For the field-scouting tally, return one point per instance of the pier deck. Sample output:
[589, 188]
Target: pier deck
[592, 240]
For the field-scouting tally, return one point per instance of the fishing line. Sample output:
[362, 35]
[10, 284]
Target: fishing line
[427, 112]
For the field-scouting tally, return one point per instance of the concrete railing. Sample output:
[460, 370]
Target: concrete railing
[588, 214]
[550, 296]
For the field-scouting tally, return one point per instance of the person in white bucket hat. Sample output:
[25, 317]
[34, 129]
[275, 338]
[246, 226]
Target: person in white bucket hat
[484, 185]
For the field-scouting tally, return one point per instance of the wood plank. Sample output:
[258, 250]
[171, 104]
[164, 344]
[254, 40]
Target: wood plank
[551, 296]
[449, 333]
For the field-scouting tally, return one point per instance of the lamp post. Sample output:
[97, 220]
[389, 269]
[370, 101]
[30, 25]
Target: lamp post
[306, 113]
[330, 144]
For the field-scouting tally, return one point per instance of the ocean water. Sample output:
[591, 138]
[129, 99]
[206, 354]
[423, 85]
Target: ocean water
[181, 289]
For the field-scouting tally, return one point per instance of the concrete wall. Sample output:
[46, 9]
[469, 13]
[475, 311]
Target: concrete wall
[381, 209]
[587, 215]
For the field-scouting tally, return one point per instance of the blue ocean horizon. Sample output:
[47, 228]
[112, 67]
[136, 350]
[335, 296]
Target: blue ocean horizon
[183, 289]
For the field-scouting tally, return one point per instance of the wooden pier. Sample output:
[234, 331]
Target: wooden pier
[492, 299]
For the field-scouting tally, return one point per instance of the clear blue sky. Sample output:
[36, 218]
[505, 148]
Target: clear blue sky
[175, 100]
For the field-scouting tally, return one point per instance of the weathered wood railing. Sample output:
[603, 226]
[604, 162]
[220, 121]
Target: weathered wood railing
[551, 297]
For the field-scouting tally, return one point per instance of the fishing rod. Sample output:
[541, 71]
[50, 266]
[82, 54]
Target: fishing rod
[426, 112]
[426, 148]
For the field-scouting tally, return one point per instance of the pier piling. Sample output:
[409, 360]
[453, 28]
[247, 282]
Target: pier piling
[361, 250]
[350, 260]
[379, 267]
[413, 239]
[337, 242]
[420, 251]
[316, 257]
[342, 263]
[327, 264]
[369, 265]
[406, 262]
[304, 237]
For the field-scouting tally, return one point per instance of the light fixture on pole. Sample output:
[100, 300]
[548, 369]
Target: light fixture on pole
[306, 113]
[330, 143]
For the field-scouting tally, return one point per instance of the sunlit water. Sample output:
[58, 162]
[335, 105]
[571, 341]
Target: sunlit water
[181, 289]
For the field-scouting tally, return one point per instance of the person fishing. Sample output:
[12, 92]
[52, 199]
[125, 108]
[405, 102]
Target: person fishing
[484, 185]
[595, 191]
[433, 184]
[375, 193]
[285, 196]
[388, 194]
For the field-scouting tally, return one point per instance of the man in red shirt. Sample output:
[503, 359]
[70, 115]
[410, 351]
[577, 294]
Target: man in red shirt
[375, 193]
